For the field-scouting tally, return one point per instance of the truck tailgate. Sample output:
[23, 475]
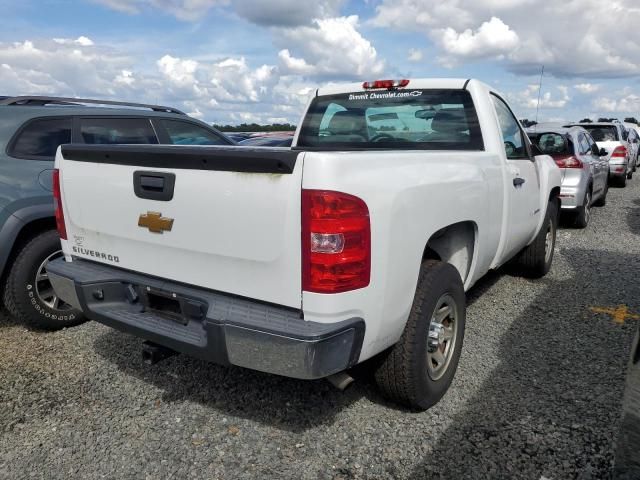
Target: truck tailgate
[231, 221]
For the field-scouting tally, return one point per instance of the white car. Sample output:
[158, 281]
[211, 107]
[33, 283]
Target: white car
[633, 139]
[611, 137]
[396, 197]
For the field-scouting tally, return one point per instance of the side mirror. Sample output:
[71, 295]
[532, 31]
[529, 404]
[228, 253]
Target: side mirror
[603, 152]
[595, 150]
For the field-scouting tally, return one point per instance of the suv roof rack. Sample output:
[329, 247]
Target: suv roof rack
[44, 100]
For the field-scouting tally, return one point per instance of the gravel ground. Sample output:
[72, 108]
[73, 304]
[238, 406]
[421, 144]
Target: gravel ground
[537, 393]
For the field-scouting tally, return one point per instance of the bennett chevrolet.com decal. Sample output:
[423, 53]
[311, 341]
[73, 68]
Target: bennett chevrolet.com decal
[375, 95]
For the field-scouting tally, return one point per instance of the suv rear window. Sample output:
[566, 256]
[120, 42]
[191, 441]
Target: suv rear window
[602, 133]
[552, 143]
[40, 138]
[397, 119]
[117, 130]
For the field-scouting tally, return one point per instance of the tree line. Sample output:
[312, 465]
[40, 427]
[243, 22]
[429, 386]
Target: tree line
[526, 123]
[254, 127]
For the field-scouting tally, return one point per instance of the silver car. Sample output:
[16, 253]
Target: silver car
[633, 139]
[585, 173]
[611, 137]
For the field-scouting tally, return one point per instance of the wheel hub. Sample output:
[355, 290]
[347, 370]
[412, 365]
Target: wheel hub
[441, 337]
[44, 289]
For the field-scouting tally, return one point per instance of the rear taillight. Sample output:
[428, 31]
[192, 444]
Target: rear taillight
[57, 203]
[385, 84]
[568, 162]
[336, 242]
[619, 152]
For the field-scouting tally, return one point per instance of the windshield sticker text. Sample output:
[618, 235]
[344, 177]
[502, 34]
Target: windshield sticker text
[376, 95]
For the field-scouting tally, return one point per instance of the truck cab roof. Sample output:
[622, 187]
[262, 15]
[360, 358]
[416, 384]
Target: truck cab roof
[444, 83]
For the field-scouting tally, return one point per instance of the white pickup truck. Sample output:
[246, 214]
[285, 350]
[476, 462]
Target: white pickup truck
[396, 197]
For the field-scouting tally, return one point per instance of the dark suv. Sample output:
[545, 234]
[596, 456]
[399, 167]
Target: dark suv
[31, 129]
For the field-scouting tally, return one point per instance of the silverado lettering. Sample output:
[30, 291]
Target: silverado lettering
[92, 253]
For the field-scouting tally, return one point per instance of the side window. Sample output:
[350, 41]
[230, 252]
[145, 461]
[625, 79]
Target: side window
[512, 136]
[593, 148]
[117, 130]
[584, 145]
[40, 139]
[186, 133]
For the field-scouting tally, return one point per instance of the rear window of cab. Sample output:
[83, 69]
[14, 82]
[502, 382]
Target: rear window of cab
[393, 119]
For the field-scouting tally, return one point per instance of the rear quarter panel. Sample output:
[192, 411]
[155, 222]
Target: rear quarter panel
[410, 196]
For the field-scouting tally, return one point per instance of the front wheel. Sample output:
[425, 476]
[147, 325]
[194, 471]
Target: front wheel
[29, 295]
[535, 260]
[583, 215]
[418, 369]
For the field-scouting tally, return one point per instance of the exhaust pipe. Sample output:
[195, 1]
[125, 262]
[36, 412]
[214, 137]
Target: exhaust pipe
[152, 353]
[340, 380]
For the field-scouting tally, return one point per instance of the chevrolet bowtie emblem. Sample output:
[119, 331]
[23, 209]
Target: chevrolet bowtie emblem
[155, 222]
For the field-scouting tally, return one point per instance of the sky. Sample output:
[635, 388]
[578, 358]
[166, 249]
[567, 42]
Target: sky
[243, 61]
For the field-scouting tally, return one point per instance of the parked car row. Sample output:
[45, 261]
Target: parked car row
[592, 156]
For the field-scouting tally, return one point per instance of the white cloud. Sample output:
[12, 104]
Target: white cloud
[177, 71]
[572, 38]
[125, 77]
[286, 12]
[271, 13]
[528, 98]
[187, 10]
[629, 103]
[82, 41]
[415, 55]
[331, 47]
[227, 90]
[587, 88]
[493, 38]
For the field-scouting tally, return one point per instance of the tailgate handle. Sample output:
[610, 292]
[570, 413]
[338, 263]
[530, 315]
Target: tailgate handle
[154, 185]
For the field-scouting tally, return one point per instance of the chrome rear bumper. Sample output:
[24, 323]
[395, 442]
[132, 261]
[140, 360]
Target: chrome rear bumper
[217, 327]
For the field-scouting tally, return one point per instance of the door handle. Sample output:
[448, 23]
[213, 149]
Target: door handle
[518, 181]
[154, 185]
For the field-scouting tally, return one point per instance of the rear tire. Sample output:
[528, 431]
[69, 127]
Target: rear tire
[28, 295]
[583, 214]
[417, 371]
[535, 260]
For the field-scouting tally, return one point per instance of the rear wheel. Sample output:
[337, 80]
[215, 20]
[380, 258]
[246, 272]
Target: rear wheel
[583, 214]
[418, 369]
[29, 295]
[535, 260]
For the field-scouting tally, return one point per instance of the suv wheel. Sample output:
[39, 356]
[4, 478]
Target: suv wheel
[418, 370]
[28, 294]
[583, 215]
